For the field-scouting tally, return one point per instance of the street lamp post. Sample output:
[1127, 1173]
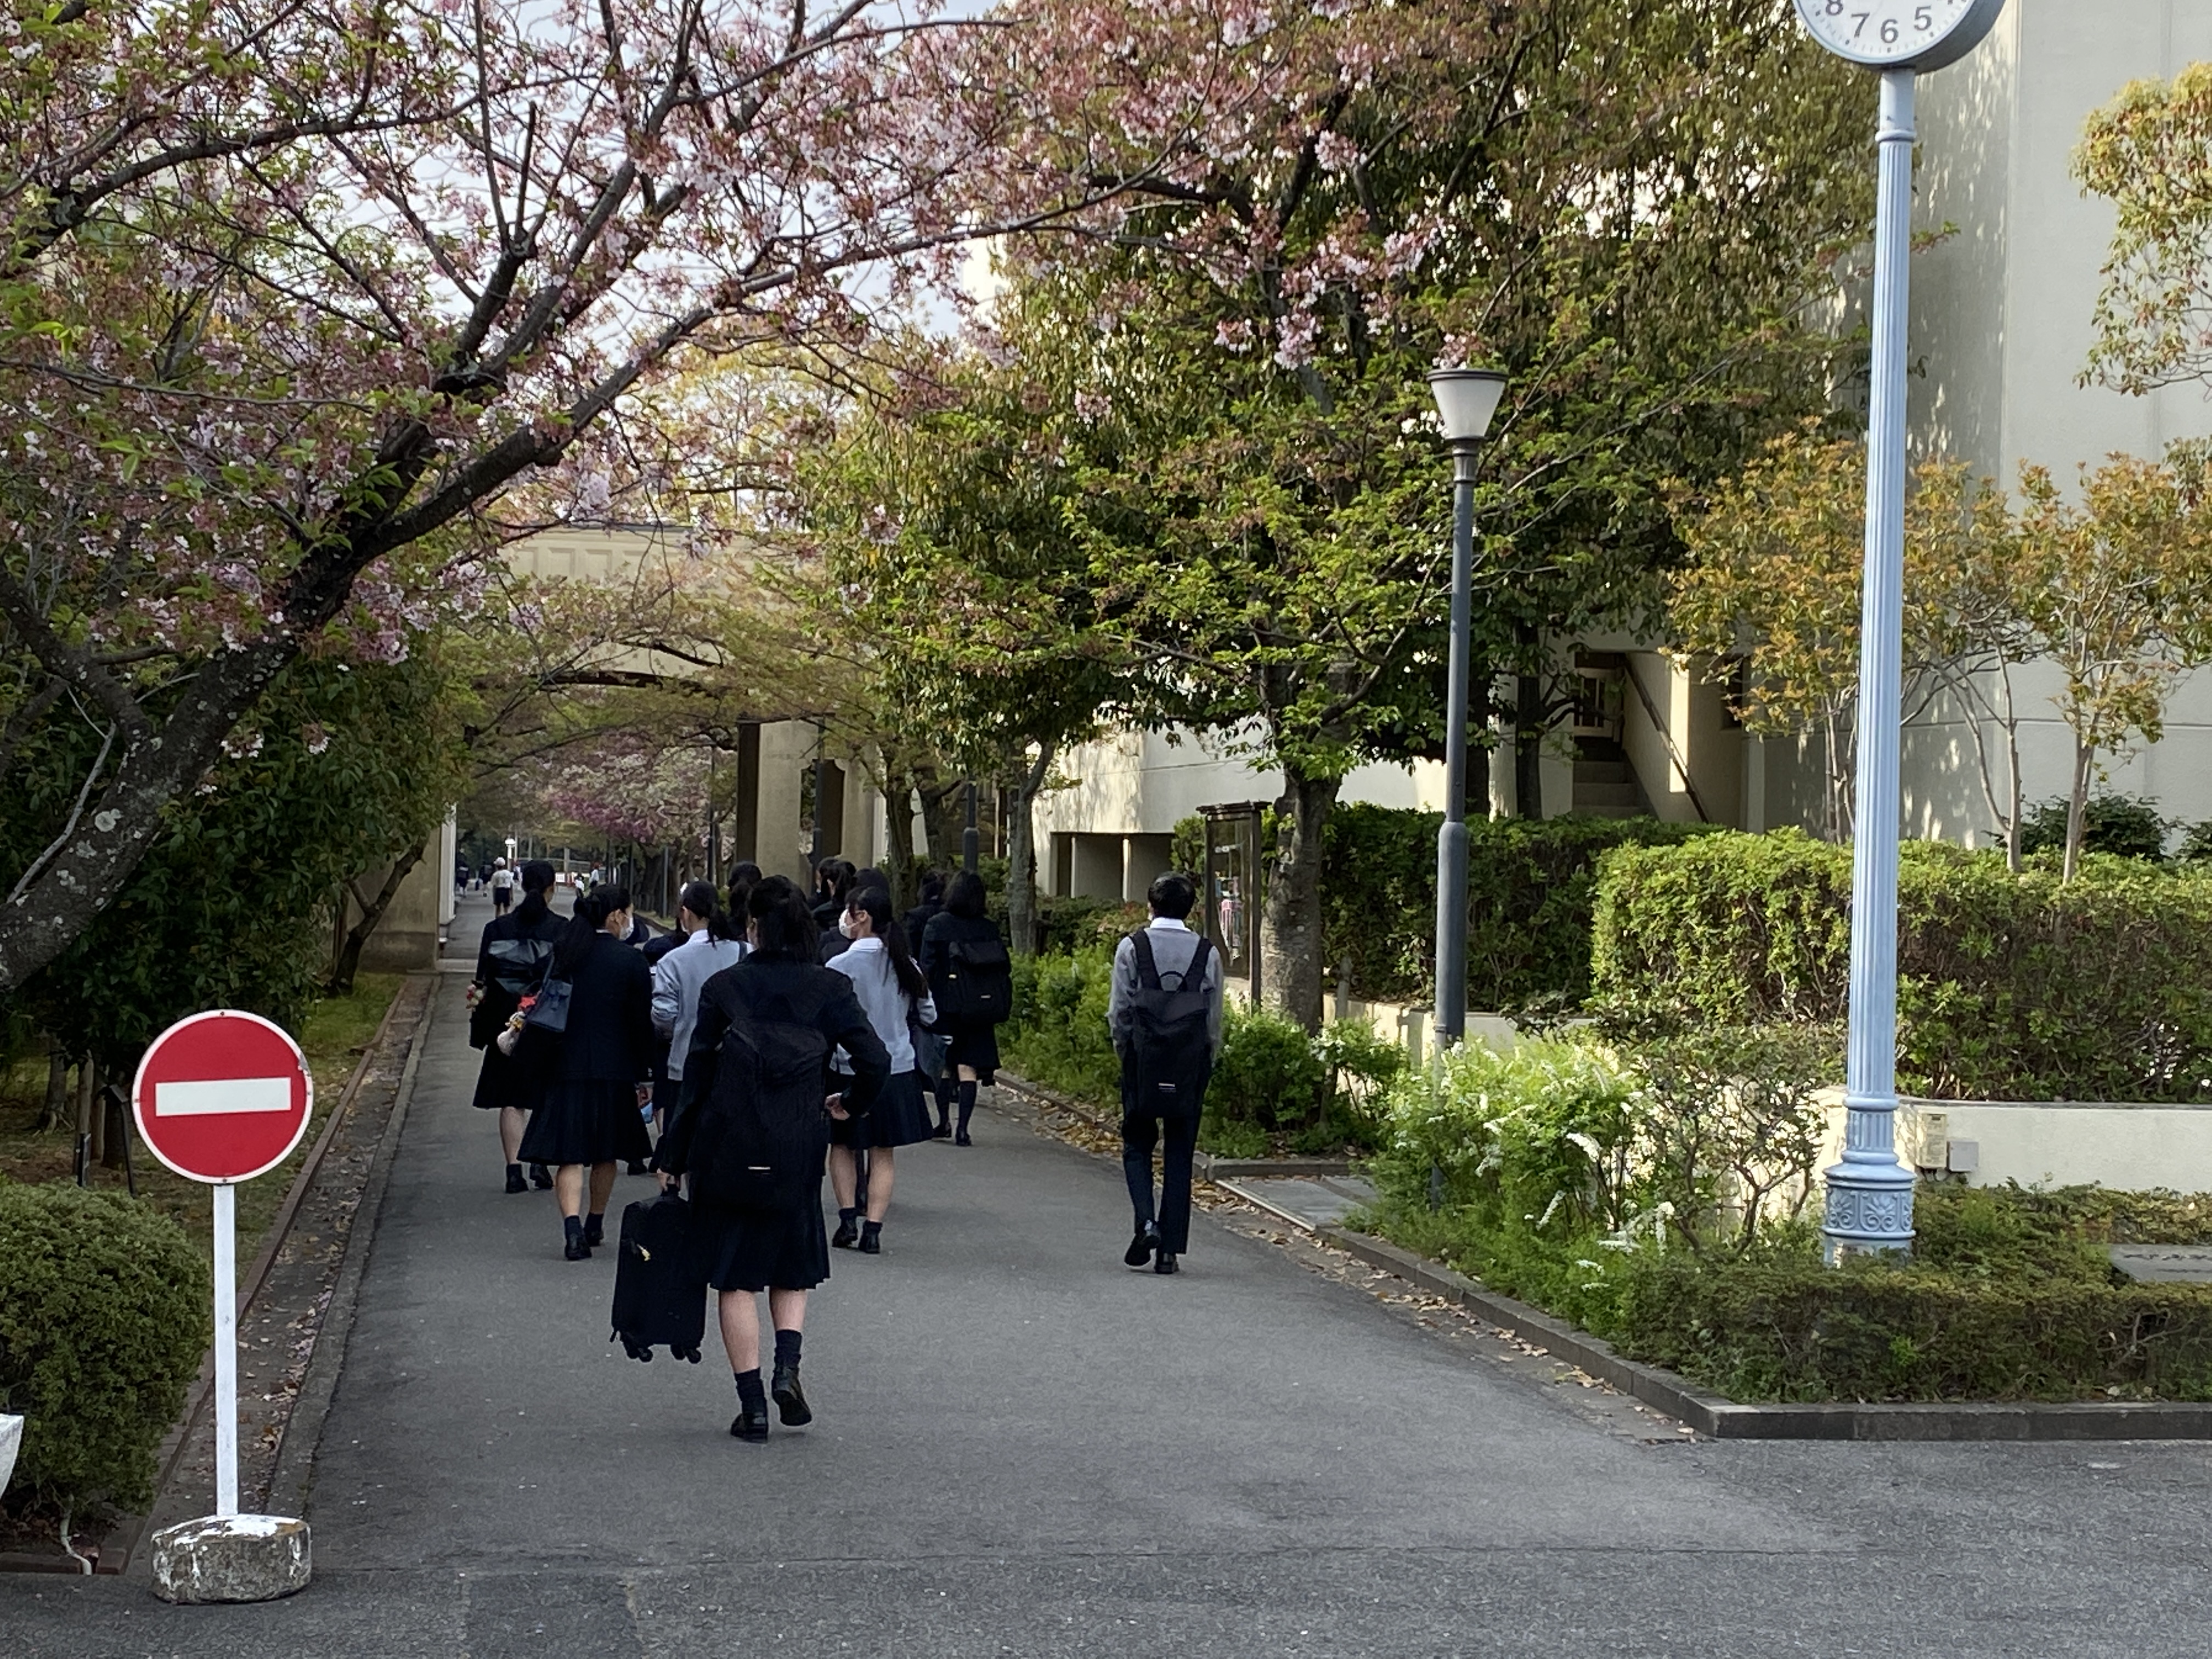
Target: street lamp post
[971, 838]
[1466, 399]
[1870, 1193]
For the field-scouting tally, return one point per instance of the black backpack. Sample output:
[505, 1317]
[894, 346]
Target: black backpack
[1171, 1053]
[978, 987]
[765, 1133]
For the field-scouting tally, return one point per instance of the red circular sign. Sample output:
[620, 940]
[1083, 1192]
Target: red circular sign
[222, 1096]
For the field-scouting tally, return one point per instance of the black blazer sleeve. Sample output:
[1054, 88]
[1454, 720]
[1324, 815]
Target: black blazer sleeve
[637, 1012]
[673, 1154]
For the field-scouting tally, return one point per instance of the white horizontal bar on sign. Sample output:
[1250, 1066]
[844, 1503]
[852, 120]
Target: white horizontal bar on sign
[220, 1095]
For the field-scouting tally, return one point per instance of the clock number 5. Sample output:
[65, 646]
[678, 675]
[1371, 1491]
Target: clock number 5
[1923, 19]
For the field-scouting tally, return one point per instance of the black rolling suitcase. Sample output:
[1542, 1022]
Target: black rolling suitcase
[660, 1295]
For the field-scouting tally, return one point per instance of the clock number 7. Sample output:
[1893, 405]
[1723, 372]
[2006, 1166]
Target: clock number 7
[1862, 17]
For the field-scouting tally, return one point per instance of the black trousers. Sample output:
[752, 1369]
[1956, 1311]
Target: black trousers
[1141, 1133]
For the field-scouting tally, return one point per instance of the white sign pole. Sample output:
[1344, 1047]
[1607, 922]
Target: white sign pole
[226, 1348]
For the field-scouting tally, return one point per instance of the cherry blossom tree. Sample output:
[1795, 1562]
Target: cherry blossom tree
[305, 303]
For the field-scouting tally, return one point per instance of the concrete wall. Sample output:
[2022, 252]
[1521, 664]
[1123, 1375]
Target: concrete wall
[407, 939]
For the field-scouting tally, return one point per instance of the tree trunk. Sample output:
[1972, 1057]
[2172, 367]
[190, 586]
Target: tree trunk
[2077, 807]
[1291, 965]
[1021, 858]
[898, 836]
[50, 1114]
[943, 814]
[372, 912]
[1528, 747]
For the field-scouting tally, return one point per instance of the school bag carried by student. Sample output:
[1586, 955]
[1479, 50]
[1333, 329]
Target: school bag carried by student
[977, 985]
[1171, 1045]
[660, 1295]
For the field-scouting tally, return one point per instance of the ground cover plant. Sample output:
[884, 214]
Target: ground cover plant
[1661, 1195]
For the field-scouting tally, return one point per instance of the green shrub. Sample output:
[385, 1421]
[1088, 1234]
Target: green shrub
[1530, 887]
[104, 1316]
[1777, 1324]
[2196, 842]
[1267, 1073]
[2126, 826]
[2011, 986]
[1056, 1034]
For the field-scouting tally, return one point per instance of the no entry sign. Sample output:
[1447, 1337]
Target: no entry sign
[222, 1096]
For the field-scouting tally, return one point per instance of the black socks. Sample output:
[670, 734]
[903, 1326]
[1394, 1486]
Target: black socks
[573, 1225]
[868, 1230]
[514, 1172]
[845, 1217]
[752, 1393]
[595, 1229]
[967, 1103]
[786, 1351]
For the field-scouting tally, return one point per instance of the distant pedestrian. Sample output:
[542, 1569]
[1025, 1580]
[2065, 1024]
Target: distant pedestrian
[709, 942]
[969, 976]
[588, 1116]
[1167, 1036]
[751, 1130]
[833, 882]
[502, 886]
[835, 936]
[894, 995]
[510, 960]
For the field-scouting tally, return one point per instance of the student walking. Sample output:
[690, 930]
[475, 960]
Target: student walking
[1164, 1009]
[894, 995]
[751, 1130]
[711, 944]
[510, 960]
[971, 978]
[588, 1116]
[502, 887]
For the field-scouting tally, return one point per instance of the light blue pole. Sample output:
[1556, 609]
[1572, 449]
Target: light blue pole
[1869, 1206]
[1451, 837]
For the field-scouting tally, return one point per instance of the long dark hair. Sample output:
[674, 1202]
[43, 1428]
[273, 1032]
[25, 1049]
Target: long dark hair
[964, 896]
[589, 921]
[875, 903]
[537, 881]
[701, 899]
[780, 914]
[745, 875]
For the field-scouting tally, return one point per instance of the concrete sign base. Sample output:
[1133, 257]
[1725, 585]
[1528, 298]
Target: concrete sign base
[232, 1557]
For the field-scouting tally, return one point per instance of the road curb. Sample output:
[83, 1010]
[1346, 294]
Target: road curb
[293, 1471]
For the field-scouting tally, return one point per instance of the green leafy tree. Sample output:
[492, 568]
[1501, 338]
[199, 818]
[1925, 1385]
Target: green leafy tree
[2150, 151]
[1628, 209]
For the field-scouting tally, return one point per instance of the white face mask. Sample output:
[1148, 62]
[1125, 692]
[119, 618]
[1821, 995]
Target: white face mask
[845, 926]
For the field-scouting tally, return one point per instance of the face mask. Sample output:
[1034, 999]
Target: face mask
[845, 926]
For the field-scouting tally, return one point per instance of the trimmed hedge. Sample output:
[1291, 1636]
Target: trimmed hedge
[104, 1316]
[2010, 986]
[2004, 1299]
[1531, 887]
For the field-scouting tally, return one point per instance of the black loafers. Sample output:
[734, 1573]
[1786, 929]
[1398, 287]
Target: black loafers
[515, 1183]
[750, 1425]
[1142, 1246]
[1166, 1264]
[790, 1399]
[541, 1177]
[846, 1236]
[578, 1249]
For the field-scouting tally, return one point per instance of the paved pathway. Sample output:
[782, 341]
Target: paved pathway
[1022, 1447]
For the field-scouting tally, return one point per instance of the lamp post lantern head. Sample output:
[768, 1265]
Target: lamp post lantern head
[1466, 399]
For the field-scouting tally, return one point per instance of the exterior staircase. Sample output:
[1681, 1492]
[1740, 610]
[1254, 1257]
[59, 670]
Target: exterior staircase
[1606, 784]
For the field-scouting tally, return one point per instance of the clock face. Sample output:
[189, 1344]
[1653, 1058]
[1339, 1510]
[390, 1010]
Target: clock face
[1892, 33]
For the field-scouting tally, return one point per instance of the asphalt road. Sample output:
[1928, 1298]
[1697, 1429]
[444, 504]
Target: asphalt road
[1023, 1447]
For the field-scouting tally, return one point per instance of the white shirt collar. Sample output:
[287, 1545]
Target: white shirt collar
[871, 943]
[1170, 923]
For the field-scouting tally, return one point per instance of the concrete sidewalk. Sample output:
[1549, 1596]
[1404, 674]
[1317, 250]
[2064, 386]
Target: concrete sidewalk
[1021, 1447]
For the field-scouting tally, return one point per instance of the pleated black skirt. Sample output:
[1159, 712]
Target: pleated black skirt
[767, 1246]
[900, 1117]
[975, 1046]
[593, 1121]
[501, 1082]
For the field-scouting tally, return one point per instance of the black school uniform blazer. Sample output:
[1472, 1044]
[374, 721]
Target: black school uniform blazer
[609, 1038]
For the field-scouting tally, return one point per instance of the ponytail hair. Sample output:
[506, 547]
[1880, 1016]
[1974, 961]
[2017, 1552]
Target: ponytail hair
[701, 899]
[590, 919]
[875, 903]
[745, 875]
[785, 922]
[537, 881]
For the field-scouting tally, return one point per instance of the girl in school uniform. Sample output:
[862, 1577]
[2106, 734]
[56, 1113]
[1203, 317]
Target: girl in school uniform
[894, 995]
